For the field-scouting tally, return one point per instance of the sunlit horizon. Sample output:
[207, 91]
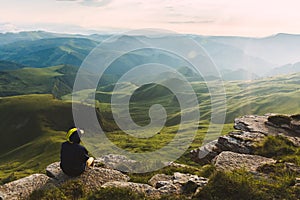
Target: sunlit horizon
[201, 17]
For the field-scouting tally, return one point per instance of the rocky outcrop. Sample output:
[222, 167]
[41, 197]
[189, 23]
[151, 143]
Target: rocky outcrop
[22, 188]
[239, 142]
[251, 129]
[94, 178]
[270, 124]
[230, 161]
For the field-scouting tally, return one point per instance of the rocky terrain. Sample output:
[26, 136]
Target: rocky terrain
[102, 177]
[251, 130]
[230, 152]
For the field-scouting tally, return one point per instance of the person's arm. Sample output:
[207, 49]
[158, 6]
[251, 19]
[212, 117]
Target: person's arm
[89, 160]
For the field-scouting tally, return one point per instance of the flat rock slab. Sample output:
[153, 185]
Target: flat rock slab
[22, 188]
[252, 123]
[230, 161]
[92, 178]
[270, 124]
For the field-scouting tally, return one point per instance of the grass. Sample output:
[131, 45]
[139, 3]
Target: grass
[280, 148]
[222, 185]
[32, 131]
[37, 81]
[243, 185]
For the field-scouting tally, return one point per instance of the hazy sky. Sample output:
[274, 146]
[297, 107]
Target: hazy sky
[205, 17]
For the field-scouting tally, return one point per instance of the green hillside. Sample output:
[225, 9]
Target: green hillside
[33, 126]
[279, 94]
[57, 80]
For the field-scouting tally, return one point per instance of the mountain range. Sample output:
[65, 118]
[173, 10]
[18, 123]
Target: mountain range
[237, 58]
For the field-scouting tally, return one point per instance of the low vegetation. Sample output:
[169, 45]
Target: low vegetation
[280, 148]
[246, 186]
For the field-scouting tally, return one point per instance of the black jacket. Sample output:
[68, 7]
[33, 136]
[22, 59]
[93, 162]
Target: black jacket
[73, 158]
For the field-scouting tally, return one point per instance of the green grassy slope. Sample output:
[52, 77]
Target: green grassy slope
[57, 80]
[32, 128]
[279, 94]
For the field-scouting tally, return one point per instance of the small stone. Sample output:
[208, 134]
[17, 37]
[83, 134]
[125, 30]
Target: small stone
[181, 178]
[190, 187]
[160, 184]
[170, 189]
[159, 177]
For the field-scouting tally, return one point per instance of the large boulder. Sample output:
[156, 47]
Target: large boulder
[290, 123]
[22, 188]
[252, 123]
[230, 161]
[92, 178]
[270, 124]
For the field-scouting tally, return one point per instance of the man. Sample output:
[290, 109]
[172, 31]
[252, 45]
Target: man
[74, 157]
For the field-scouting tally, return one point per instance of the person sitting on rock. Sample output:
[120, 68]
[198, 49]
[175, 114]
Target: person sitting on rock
[74, 157]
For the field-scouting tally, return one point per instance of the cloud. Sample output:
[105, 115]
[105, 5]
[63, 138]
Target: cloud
[192, 22]
[92, 3]
[95, 3]
[8, 27]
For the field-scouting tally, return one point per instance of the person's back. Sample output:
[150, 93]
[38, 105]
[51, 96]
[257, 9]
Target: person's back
[73, 156]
